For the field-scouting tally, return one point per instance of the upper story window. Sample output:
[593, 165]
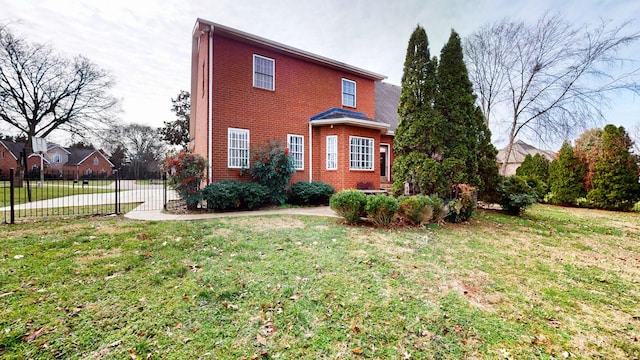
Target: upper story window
[56, 158]
[348, 93]
[263, 72]
[361, 153]
[332, 152]
[238, 148]
[96, 161]
[295, 143]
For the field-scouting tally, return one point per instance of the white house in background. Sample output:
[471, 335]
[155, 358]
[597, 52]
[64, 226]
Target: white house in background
[518, 153]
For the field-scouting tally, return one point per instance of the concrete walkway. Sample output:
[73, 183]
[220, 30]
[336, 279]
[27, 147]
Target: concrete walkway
[160, 215]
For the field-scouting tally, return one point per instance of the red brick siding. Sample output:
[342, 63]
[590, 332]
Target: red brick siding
[88, 164]
[302, 89]
[7, 162]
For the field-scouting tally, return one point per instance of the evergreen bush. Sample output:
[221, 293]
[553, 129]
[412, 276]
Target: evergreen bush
[381, 209]
[566, 177]
[232, 195]
[349, 204]
[310, 193]
[516, 195]
[416, 210]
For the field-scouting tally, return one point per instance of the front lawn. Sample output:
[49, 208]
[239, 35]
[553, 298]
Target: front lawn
[560, 283]
[50, 190]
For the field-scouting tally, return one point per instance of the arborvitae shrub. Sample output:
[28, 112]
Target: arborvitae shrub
[349, 204]
[381, 209]
[310, 193]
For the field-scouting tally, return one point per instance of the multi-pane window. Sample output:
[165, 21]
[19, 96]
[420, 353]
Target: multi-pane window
[263, 72]
[96, 161]
[56, 158]
[295, 143]
[348, 93]
[361, 153]
[332, 152]
[238, 148]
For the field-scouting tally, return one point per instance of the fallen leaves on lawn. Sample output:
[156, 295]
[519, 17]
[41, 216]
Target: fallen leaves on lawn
[357, 351]
[34, 335]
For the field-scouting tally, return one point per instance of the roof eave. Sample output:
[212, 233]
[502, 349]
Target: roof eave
[354, 122]
[287, 49]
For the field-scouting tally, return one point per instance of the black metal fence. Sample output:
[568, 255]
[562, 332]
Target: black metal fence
[32, 197]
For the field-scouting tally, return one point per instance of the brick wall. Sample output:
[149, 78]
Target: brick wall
[7, 162]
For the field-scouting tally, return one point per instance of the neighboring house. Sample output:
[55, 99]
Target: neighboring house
[336, 119]
[9, 155]
[518, 153]
[58, 161]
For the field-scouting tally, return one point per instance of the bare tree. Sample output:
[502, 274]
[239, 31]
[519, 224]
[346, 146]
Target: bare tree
[144, 149]
[551, 79]
[42, 91]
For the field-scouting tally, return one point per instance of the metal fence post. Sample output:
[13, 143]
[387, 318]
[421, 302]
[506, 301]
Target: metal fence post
[117, 191]
[12, 198]
[164, 194]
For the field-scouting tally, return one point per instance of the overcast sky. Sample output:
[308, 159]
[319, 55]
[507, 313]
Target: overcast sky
[146, 44]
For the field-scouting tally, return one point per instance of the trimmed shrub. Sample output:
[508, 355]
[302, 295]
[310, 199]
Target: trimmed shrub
[310, 193]
[636, 207]
[416, 210]
[231, 195]
[462, 207]
[186, 173]
[349, 204]
[381, 209]
[516, 195]
[438, 208]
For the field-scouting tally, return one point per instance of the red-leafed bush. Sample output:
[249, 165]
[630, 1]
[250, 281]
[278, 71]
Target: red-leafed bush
[186, 173]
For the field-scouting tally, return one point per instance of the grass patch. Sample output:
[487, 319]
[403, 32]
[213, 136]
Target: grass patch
[61, 213]
[545, 286]
[48, 191]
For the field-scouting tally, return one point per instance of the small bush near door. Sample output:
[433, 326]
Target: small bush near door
[381, 209]
[349, 204]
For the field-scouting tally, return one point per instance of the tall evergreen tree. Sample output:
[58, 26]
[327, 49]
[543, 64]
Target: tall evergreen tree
[615, 180]
[566, 177]
[536, 166]
[419, 141]
[467, 138]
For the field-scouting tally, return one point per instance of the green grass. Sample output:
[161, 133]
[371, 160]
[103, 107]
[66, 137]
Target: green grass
[557, 283]
[64, 213]
[48, 191]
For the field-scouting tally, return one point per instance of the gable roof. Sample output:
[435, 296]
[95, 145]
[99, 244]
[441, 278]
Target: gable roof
[205, 26]
[14, 148]
[78, 156]
[387, 98]
[520, 150]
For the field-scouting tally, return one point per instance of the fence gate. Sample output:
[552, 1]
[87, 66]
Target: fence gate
[65, 194]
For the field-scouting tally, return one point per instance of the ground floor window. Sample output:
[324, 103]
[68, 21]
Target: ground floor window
[295, 143]
[238, 148]
[332, 152]
[361, 153]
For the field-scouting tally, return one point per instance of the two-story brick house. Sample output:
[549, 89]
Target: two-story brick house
[247, 90]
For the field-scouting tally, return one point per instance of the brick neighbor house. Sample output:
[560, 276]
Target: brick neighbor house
[337, 120]
[58, 161]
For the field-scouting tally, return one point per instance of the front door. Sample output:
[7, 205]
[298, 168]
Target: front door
[384, 163]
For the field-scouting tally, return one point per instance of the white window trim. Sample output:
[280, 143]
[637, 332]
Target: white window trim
[57, 159]
[289, 136]
[273, 71]
[229, 131]
[355, 91]
[372, 160]
[96, 161]
[335, 138]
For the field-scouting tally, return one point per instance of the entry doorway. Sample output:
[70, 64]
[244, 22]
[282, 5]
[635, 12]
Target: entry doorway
[385, 171]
